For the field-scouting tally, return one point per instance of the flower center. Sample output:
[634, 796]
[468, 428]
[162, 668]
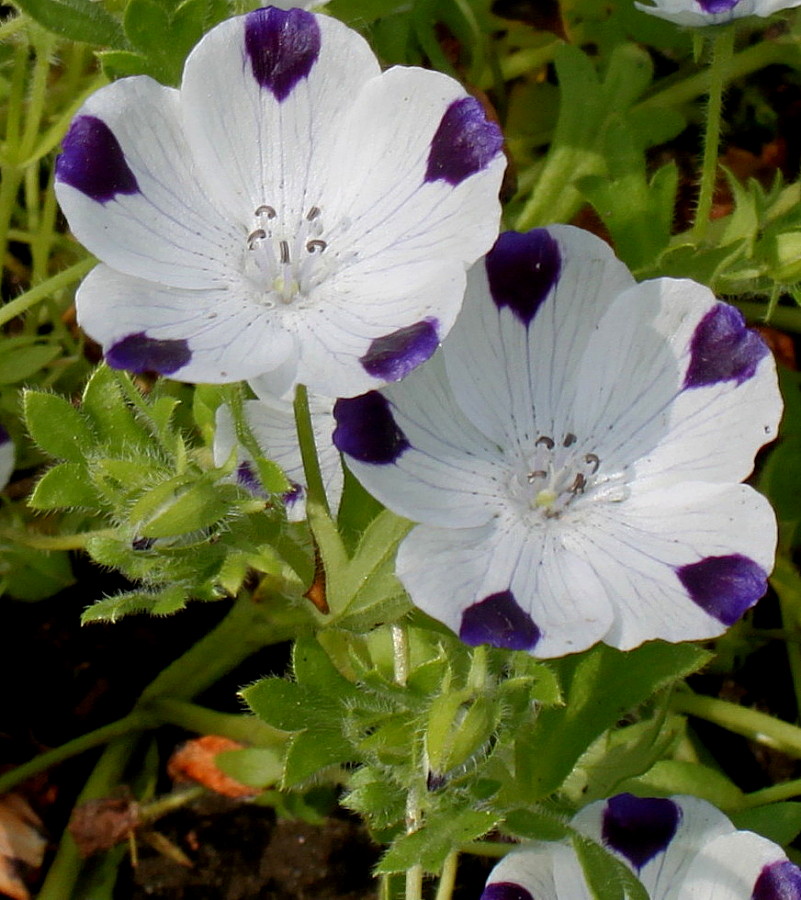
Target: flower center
[286, 261]
[558, 474]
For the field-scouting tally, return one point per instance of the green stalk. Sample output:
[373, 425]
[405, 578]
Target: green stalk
[447, 880]
[242, 728]
[42, 291]
[773, 794]
[786, 318]
[756, 726]
[65, 869]
[138, 720]
[722, 51]
[53, 541]
[315, 490]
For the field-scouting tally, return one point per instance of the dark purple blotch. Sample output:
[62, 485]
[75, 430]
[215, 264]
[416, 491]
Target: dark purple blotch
[505, 890]
[724, 586]
[717, 6]
[639, 827]
[723, 349]
[465, 142]
[394, 355]
[282, 46]
[522, 269]
[366, 429]
[5, 437]
[140, 353]
[247, 477]
[294, 494]
[780, 880]
[92, 161]
[497, 620]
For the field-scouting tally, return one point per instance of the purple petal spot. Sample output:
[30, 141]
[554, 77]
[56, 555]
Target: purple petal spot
[394, 355]
[5, 437]
[140, 353]
[497, 620]
[780, 880]
[247, 478]
[717, 6]
[366, 429]
[283, 45]
[639, 827]
[724, 586]
[505, 890]
[723, 349]
[92, 161]
[465, 143]
[522, 269]
[294, 494]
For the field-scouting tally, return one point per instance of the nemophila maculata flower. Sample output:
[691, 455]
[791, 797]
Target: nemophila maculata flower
[679, 848]
[272, 422]
[573, 455]
[713, 12]
[290, 207]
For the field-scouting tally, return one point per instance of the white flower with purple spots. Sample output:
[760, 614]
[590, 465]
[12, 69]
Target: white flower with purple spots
[679, 848]
[714, 12]
[272, 422]
[290, 207]
[6, 457]
[573, 455]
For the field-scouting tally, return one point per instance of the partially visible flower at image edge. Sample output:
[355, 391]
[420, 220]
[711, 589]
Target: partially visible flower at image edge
[6, 457]
[700, 13]
[291, 209]
[573, 454]
[679, 847]
[272, 422]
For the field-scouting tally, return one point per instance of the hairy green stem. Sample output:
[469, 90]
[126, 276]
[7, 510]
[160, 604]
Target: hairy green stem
[722, 50]
[243, 728]
[53, 541]
[757, 726]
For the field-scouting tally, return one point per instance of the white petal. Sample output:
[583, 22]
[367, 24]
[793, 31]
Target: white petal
[446, 472]
[697, 823]
[632, 399]
[6, 457]
[637, 546]
[729, 867]
[511, 379]
[167, 229]
[272, 422]
[545, 871]
[262, 149]
[450, 571]
[216, 336]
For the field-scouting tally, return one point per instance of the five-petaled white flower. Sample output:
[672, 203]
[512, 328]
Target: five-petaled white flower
[679, 848]
[291, 208]
[272, 422]
[714, 12]
[573, 454]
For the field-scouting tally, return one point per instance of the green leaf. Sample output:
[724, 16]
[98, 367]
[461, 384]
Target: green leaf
[158, 603]
[77, 20]
[608, 878]
[312, 751]
[600, 686]
[104, 406]
[535, 825]
[65, 485]
[289, 706]
[675, 776]
[439, 836]
[57, 427]
[29, 574]
[22, 358]
[255, 766]
[778, 822]
[313, 669]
